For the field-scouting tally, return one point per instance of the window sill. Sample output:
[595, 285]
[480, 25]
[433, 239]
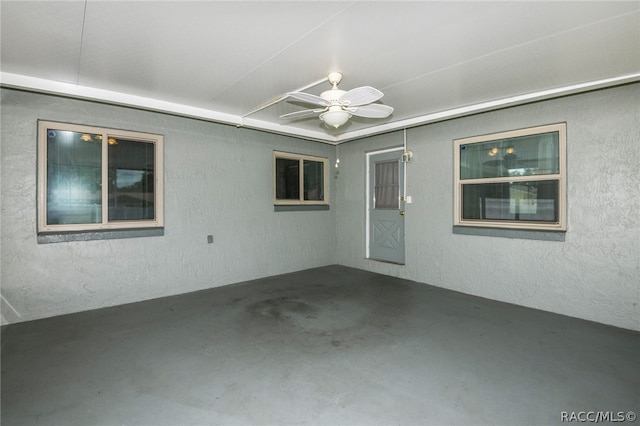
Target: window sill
[299, 207]
[510, 233]
[65, 237]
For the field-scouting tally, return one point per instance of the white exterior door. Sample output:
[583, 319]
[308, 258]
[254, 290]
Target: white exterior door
[385, 209]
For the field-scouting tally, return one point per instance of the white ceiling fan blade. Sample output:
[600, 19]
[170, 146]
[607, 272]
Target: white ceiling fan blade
[371, 111]
[308, 98]
[303, 113]
[360, 96]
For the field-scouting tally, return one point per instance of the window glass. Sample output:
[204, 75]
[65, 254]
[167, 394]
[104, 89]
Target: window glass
[287, 179]
[131, 180]
[387, 186]
[519, 156]
[512, 201]
[313, 180]
[74, 174]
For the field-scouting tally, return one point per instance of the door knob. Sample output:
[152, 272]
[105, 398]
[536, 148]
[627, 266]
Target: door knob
[401, 212]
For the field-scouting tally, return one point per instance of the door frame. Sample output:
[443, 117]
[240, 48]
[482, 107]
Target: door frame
[367, 186]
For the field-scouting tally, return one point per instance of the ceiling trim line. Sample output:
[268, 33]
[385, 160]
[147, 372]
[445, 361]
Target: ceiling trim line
[40, 85]
[489, 106]
[117, 98]
[282, 130]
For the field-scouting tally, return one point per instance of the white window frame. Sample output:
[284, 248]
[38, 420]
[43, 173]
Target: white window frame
[155, 139]
[560, 225]
[301, 158]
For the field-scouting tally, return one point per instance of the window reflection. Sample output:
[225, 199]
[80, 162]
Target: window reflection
[287, 179]
[73, 176]
[131, 180]
[519, 156]
[527, 201]
[313, 180]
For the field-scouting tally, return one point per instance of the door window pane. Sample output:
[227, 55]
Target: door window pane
[131, 180]
[74, 176]
[387, 186]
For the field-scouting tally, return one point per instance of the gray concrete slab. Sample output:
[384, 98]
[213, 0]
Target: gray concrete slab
[332, 346]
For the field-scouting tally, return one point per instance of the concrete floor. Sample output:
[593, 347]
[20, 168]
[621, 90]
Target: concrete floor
[332, 345]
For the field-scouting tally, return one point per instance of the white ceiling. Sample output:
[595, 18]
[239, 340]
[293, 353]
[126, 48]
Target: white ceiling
[221, 61]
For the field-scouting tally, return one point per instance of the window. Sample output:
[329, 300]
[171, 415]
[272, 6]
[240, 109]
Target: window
[300, 179]
[512, 180]
[387, 185]
[98, 179]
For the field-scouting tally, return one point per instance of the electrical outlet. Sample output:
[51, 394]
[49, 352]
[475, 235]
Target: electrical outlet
[210, 239]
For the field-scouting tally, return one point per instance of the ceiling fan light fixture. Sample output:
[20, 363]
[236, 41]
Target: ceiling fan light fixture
[338, 106]
[335, 119]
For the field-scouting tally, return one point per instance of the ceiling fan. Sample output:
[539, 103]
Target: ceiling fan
[337, 106]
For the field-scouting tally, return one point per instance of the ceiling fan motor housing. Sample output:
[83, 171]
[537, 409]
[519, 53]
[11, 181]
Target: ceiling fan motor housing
[336, 115]
[333, 96]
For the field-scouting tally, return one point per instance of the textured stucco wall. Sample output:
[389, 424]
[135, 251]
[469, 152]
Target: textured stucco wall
[217, 181]
[594, 274]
